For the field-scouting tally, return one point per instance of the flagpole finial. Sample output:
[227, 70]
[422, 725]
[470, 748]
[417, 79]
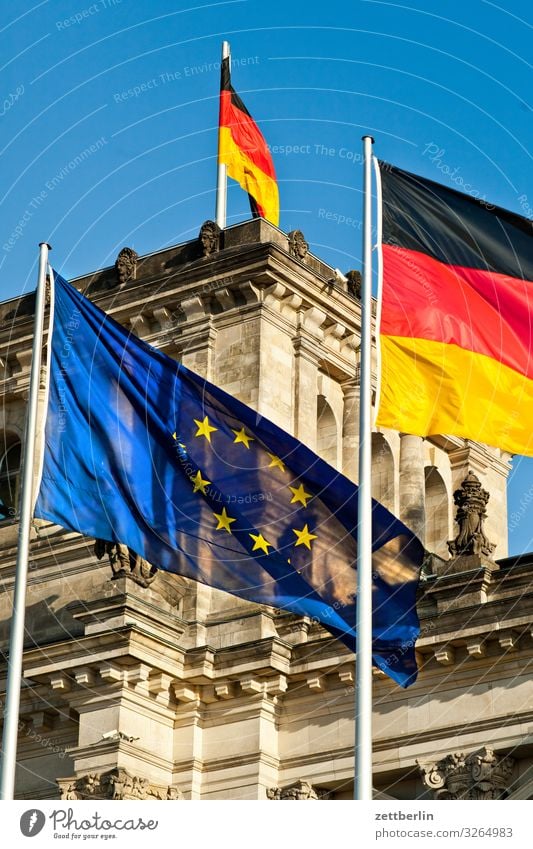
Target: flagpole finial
[372, 139]
[45, 245]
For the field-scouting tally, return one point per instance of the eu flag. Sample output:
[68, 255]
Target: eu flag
[140, 450]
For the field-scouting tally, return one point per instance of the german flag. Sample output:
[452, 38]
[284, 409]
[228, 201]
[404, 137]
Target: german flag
[456, 327]
[243, 149]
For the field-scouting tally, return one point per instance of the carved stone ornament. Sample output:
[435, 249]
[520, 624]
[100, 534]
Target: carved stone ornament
[353, 278]
[117, 784]
[298, 247]
[209, 237]
[479, 776]
[299, 791]
[471, 502]
[125, 563]
[126, 265]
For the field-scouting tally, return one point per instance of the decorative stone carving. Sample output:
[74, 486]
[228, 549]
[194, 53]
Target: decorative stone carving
[299, 791]
[471, 501]
[298, 247]
[479, 776]
[125, 563]
[126, 265]
[116, 784]
[209, 237]
[353, 282]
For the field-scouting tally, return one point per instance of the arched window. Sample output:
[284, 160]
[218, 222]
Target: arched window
[327, 433]
[382, 471]
[9, 477]
[437, 513]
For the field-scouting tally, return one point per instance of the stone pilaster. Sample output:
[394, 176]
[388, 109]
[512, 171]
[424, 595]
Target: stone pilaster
[350, 429]
[197, 342]
[188, 739]
[306, 358]
[412, 483]
[305, 394]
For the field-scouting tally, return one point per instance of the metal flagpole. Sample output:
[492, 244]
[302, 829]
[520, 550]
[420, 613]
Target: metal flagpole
[222, 177]
[363, 688]
[16, 639]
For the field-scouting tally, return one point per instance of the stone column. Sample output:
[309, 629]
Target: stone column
[350, 429]
[412, 483]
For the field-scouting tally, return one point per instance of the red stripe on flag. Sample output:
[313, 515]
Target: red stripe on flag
[246, 134]
[481, 311]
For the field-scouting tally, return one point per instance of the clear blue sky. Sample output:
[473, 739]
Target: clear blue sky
[444, 88]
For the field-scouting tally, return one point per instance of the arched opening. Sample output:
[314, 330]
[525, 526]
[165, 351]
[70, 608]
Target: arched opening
[437, 512]
[9, 476]
[382, 471]
[327, 433]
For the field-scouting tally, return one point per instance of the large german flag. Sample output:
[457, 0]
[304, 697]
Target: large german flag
[456, 328]
[243, 149]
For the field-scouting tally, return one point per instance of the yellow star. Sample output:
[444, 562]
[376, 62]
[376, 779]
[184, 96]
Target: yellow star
[199, 483]
[174, 435]
[204, 429]
[260, 543]
[304, 537]
[242, 436]
[224, 521]
[276, 461]
[299, 494]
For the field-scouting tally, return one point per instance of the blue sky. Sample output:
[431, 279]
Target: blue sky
[443, 87]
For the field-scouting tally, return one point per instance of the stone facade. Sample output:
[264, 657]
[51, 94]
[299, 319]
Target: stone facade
[159, 687]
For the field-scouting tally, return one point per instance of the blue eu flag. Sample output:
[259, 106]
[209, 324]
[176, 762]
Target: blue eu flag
[140, 450]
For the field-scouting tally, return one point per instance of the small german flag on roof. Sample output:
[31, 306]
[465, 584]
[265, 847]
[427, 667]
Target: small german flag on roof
[244, 151]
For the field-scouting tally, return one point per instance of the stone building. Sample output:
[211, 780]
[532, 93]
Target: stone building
[147, 685]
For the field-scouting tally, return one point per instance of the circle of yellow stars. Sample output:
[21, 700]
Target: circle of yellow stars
[224, 521]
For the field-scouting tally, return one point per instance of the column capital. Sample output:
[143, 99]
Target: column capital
[351, 385]
[300, 790]
[481, 775]
[305, 345]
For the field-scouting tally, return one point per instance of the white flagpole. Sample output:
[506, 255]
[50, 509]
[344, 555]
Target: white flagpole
[222, 177]
[16, 639]
[363, 689]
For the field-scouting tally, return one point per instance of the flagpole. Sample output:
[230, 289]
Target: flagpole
[363, 689]
[16, 639]
[222, 177]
